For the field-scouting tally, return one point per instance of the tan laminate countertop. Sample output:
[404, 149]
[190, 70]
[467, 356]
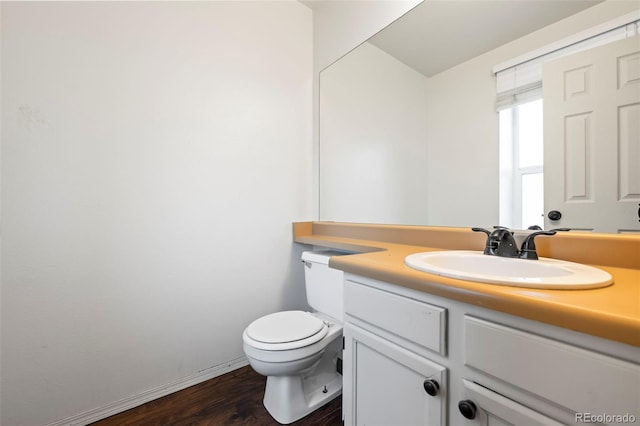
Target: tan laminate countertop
[612, 312]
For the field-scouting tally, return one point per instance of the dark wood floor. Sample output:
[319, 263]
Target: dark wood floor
[234, 398]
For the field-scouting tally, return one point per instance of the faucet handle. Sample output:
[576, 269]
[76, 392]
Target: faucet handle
[488, 248]
[528, 250]
[486, 231]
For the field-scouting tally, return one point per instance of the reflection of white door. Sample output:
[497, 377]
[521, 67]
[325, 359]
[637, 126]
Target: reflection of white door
[592, 138]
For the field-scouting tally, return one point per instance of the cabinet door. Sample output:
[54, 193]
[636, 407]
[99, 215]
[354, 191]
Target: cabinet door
[385, 384]
[487, 408]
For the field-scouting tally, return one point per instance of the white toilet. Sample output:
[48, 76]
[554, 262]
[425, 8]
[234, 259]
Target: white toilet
[298, 351]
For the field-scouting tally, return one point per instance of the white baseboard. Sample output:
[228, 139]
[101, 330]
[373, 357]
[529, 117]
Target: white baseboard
[150, 395]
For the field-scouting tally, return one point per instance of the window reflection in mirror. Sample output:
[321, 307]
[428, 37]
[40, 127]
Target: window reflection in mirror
[521, 163]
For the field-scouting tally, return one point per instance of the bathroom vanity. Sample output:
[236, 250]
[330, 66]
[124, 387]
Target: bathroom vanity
[426, 349]
[412, 358]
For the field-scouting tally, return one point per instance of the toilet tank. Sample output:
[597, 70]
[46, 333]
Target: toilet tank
[324, 285]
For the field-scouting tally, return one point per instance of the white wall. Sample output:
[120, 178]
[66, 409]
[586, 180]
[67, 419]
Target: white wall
[463, 123]
[154, 156]
[374, 130]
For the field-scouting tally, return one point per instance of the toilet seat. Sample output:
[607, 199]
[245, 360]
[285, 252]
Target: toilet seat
[285, 331]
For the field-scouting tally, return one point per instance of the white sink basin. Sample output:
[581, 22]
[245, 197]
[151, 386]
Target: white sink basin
[542, 273]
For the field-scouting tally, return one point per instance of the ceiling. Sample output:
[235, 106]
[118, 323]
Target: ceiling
[439, 34]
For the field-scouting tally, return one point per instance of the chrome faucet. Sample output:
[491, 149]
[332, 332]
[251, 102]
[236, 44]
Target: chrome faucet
[500, 242]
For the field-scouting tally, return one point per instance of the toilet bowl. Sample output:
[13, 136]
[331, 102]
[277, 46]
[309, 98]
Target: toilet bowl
[301, 370]
[299, 351]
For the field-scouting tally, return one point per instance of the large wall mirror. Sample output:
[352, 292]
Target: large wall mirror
[409, 130]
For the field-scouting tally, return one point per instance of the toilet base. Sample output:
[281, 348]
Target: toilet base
[289, 398]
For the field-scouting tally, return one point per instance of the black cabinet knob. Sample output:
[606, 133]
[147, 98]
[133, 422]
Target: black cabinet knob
[554, 215]
[431, 387]
[467, 409]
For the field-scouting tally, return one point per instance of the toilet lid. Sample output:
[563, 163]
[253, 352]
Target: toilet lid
[285, 327]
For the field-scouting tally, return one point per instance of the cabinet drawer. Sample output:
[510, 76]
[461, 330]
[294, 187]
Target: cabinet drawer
[498, 410]
[418, 322]
[580, 380]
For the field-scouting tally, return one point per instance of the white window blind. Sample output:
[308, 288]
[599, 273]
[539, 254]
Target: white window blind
[522, 82]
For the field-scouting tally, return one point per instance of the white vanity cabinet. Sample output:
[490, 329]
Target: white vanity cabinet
[412, 358]
[388, 384]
